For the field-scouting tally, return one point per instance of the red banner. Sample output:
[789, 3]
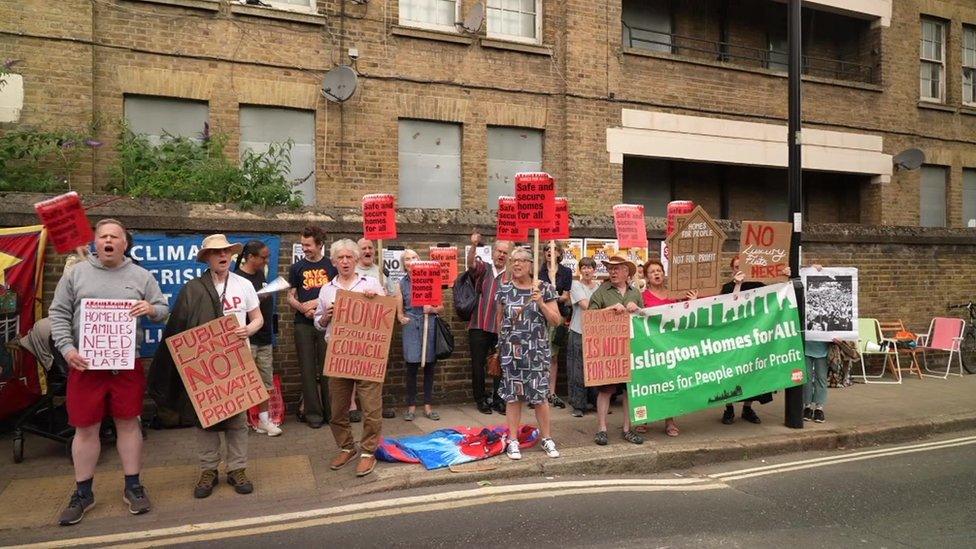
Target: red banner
[508, 227]
[448, 258]
[631, 230]
[425, 284]
[21, 278]
[535, 200]
[379, 217]
[66, 222]
[559, 230]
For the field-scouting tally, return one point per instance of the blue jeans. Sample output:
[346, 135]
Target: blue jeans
[815, 388]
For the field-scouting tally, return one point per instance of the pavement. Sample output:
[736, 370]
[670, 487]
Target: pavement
[294, 466]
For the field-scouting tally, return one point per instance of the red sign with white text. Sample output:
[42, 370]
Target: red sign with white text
[379, 217]
[629, 221]
[559, 230]
[508, 227]
[535, 200]
[448, 258]
[66, 222]
[425, 284]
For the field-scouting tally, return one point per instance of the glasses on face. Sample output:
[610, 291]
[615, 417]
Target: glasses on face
[521, 260]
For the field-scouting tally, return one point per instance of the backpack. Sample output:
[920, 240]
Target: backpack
[465, 295]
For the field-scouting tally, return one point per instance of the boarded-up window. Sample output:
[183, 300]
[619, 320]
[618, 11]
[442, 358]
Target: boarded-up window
[262, 126]
[156, 117]
[647, 181]
[510, 151]
[933, 197]
[430, 164]
[969, 198]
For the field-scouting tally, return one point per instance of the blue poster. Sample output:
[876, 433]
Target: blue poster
[172, 260]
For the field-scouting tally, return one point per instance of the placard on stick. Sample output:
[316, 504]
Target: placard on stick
[764, 250]
[379, 217]
[559, 229]
[606, 347]
[359, 341]
[425, 284]
[447, 256]
[507, 227]
[217, 369]
[535, 199]
[629, 222]
[108, 334]
[66, 222]
[696, 249]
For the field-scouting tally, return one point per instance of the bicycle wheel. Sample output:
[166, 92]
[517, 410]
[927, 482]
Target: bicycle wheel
[968, 350]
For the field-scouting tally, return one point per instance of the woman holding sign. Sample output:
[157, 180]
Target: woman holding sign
[524, 311]
[412, 319]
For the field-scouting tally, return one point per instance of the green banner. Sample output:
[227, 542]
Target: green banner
[694, 355]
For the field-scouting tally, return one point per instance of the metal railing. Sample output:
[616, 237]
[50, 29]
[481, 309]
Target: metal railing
[835, 68]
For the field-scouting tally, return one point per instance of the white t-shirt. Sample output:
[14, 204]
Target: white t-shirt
[373, 270]
[578, 293]
[240, 298]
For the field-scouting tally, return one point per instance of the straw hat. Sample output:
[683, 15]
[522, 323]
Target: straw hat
[217, 242]
[618, 260]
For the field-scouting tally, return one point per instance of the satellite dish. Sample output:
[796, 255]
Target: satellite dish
[339, 83]
[911, 159]
[474, 19]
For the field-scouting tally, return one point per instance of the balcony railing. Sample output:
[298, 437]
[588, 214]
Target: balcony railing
[835, 68]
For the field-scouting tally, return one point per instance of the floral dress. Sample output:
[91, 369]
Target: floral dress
[523, 344]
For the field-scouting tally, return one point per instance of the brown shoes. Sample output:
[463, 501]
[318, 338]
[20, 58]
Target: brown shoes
[367, 462]
[343, 457]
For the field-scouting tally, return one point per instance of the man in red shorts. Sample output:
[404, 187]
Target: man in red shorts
[93, 394]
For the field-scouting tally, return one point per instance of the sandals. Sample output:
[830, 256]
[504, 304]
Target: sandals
[671, 430]
[601, 438]
[641, 429]
[633, 437]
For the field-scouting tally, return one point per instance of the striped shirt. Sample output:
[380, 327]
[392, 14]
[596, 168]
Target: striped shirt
[484, 316]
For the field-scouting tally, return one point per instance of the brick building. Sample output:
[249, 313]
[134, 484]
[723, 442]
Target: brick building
[636, 101]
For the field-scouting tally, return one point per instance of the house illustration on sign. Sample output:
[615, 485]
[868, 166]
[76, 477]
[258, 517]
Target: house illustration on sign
[696, 253]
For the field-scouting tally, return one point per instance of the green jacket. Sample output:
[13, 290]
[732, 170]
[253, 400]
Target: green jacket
[608, 296]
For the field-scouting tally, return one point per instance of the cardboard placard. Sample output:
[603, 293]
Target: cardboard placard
[606, 347]
[359, 341]
[629, 222]
[66, 222]
[559, 229]
[535, 200]
[764, 250]
[107, 335]
[379, 217]
[425, 284]
[447, 256]
[507, 227]
[217, 369]
[695, 255]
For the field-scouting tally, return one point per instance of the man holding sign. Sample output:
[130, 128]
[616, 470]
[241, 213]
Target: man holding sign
[90, 296]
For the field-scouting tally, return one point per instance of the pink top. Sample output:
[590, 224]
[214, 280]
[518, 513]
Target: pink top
[651, 300]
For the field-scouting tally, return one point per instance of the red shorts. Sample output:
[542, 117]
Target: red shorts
[93, 392]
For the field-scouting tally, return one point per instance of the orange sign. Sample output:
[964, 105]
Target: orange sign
[606, 347]
[448, 258]
[629, 221]
[217, 369]
[66, 222]
[359, 343]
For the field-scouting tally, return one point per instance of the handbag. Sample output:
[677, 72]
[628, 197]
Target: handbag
[495, 365]
[443, 339]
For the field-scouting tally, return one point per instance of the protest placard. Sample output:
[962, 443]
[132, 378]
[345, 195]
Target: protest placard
[379, 217]
[764, 250]
[66, 222]
[714, 351]
[695, 255]
[629, 222]
[217, 369]
[831, 303]
[359, 341]
[481, 252]
[572, 253]
[508, 227]
[425, 284]
[393, 264]
[107, 334]
[606, 347]
[559, 229]
[535, 200]
[447, 256]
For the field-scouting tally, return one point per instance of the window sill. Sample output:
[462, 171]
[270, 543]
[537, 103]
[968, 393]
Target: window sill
[411, 32]
[636, 52]
[969, 110]
[516, 46]
[208, 5]
[280, 14]
[936, 106]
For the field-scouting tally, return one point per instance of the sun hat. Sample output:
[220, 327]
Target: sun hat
[217, 242]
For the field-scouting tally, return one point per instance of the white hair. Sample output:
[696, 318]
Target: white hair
[344, 244]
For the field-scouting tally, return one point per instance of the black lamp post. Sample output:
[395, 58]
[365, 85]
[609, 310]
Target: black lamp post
[794, 395]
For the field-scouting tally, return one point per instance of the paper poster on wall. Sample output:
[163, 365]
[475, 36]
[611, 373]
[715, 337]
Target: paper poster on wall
[572, 253]
[108, 334]
[764, 250]
[600, 249]
[831, 303]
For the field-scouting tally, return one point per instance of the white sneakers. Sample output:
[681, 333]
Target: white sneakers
[513, 452]
[265, 426]
[550, 447]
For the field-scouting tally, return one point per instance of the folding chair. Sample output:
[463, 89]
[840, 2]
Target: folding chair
[869, 332]
[891, 330]
[945, 335]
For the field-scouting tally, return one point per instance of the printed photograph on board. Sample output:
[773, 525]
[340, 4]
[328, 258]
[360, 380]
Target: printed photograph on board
[831, 303]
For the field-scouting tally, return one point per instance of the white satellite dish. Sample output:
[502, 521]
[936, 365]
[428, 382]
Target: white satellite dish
[474, 19]
[339, 83]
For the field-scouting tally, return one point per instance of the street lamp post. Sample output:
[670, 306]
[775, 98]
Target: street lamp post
[794, 395]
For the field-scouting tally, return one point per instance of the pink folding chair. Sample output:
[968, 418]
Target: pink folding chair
[945, 335]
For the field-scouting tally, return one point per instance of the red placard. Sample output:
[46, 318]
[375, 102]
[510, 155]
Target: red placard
[559, 230]
[508, 227]
[66, 222]
[425, 284]
[676, 208]
[447, 256]
[631, 230]
[379, 217]
[535, 200]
